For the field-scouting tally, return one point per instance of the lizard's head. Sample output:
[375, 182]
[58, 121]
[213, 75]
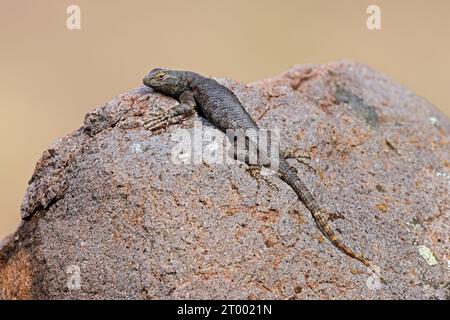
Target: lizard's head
[170, 82]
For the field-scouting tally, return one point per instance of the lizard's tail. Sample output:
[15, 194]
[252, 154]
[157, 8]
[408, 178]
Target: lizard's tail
[287, 175]
[328, 232]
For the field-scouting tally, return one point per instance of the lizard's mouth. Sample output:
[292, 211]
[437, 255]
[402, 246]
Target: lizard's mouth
[151, 82]
[147, 81]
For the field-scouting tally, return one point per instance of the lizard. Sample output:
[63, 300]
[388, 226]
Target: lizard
[224, 110]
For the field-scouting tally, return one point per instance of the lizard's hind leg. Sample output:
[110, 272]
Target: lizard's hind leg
[302, 159]
[255, 172]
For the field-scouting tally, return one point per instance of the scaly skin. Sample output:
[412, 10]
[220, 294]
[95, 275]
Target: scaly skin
[224, 110]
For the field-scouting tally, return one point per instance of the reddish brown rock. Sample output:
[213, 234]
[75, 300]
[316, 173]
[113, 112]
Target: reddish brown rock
[107, 204]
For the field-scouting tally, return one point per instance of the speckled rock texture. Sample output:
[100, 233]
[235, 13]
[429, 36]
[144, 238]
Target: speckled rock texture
[107, 208]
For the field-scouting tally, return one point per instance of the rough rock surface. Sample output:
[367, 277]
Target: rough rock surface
[107, 203]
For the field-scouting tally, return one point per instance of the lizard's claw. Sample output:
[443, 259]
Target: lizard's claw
[158, 119]
[155, 124]
[158, 123]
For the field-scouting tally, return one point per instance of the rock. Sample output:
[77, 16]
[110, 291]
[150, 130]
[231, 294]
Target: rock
[108, 215]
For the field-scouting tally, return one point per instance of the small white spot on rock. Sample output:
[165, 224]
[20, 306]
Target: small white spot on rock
[443, 175]
[427, 255]
[136, 147]
[184, 158]
[433, 120]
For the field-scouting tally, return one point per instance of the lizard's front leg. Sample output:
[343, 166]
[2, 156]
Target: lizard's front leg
[176, 114]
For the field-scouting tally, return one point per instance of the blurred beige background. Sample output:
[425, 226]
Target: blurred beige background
[51, 76]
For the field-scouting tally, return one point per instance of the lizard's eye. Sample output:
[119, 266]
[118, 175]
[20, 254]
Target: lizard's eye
[160, 75]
